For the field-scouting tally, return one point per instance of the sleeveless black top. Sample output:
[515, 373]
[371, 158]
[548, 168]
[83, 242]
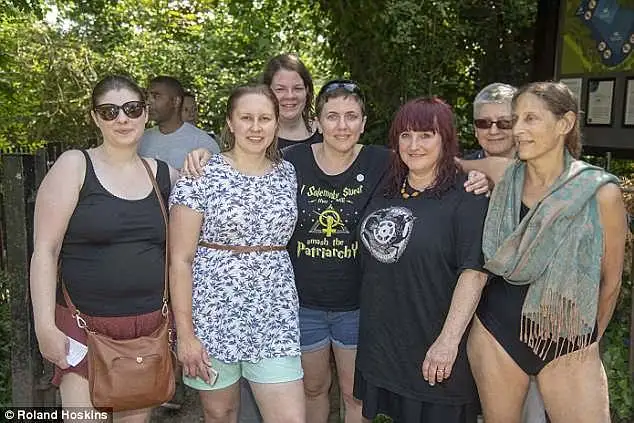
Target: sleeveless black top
[113, 253]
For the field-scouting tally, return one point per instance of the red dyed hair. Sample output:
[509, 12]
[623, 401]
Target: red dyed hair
[425, 114]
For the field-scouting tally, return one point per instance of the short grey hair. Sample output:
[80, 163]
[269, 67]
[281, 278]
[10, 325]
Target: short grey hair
[496, 93]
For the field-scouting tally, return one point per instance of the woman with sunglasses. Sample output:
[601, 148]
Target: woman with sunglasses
[292, 84]
[98, 217]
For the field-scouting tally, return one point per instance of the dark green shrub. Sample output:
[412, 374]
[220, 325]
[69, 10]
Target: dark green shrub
[616, 356]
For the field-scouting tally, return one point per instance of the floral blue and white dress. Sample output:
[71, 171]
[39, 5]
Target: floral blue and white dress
[244, 306]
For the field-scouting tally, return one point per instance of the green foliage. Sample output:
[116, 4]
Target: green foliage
[401, 49]
[49, 67]
[15, 7]
[616, 356]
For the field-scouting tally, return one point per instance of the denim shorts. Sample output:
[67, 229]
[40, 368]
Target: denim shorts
[318, 329]
[267, 370]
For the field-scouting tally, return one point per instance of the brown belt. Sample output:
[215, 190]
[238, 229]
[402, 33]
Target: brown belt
[242, 248]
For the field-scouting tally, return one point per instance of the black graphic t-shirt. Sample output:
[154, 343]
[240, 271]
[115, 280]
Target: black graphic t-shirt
[324, 248]
[412, 253]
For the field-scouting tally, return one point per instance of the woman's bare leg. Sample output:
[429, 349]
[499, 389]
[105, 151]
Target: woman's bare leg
[345, 358]
[502, 384]
[575, 388]
[221, 405]
[281, 402]
[317, 380]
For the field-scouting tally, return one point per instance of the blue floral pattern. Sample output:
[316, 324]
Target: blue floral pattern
[244, 306]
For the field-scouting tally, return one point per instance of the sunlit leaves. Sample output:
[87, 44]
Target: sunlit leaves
[47, 71]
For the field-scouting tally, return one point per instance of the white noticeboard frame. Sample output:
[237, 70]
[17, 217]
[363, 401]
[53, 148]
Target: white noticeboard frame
[600, 103]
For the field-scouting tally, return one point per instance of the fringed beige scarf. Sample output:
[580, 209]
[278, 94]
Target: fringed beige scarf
[557, 249]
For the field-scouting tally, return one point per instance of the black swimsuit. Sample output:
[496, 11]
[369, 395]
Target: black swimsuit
[500, 311]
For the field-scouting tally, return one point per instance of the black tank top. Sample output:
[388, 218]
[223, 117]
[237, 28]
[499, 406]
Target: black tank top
[113, 254]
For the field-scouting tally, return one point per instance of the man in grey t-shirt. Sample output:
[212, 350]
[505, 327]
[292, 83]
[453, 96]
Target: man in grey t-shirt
[171, 139]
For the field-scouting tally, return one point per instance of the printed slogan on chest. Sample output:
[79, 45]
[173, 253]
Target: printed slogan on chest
[334, 218]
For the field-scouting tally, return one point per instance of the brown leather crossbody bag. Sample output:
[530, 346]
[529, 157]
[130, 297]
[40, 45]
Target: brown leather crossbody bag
[136, 373]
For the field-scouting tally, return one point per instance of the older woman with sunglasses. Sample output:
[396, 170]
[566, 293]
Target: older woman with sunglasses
[97, 215]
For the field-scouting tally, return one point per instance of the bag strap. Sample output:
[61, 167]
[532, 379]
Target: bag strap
[75, 312]
[159, 196]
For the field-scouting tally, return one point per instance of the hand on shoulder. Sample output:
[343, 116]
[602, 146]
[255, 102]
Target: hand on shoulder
[492, 167]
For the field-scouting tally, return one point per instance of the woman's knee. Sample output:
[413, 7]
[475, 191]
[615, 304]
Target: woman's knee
[317, 386]
[349, 399]
[297, 415]
[219, 409]
[219, 413]
[316, 383]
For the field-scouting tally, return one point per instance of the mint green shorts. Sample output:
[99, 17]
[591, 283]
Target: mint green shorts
[267, 370]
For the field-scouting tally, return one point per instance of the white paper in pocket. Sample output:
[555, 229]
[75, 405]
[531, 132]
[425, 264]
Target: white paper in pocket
[76, 352]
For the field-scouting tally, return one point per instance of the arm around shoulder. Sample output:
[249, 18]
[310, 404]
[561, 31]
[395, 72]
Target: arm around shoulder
[492, 167]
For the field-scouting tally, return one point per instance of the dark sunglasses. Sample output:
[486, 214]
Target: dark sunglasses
[487, 123]
[349, 86]
[132, 109]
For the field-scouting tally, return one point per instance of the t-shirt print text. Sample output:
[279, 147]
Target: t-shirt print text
[329, 235]
[324, 196]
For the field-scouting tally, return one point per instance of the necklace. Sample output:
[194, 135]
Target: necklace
[406, 194]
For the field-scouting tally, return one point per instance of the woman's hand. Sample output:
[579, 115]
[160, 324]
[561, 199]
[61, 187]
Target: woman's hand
[492, 167]
[439, 360]
[195, 161]
[478, 183]
[193, 357]
[53, 344]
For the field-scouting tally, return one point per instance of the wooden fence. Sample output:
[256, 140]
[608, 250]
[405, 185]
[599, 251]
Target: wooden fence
[30, 374]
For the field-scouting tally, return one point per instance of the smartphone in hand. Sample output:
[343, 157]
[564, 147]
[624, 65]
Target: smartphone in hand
[213, 375]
